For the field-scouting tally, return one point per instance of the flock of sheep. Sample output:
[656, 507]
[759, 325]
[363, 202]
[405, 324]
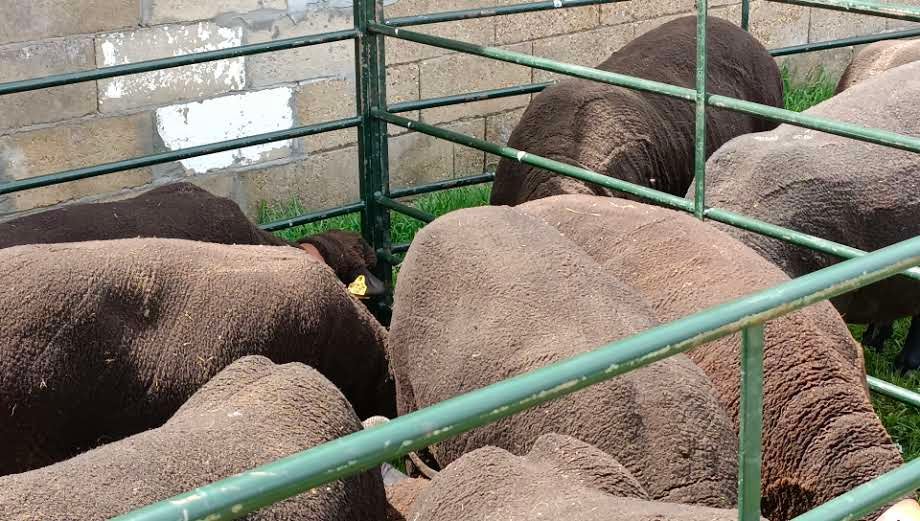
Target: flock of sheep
[153, 345]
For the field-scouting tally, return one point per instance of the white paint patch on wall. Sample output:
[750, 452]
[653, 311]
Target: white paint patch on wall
[227, 117]
[168, 85]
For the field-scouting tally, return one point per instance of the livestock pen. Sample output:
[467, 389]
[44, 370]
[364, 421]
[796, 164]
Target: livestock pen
[236, 496]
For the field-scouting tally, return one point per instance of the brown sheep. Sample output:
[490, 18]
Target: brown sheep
[251, 413]
[103, 339]
[859, 194]
[559, 478]
[646, 139]
[488, 293]
[871, 61]
[821, 434]
[185, 211]
[877, 58]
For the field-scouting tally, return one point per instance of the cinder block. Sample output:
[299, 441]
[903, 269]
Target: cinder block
[419, 158]
[28, 20]
[319, 181]
[524, 27]
[168, 85]
[461, 73]
[623, 12]
[330, 99]
[480, 31]
[587, 48]
[47, 105]
[892, 24]
[164, 11]
[331, 60]
[498, 130]
[224, 118]
[778, 25]
[84, 143]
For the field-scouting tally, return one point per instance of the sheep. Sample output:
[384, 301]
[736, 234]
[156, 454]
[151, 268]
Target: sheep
[559, 478]
[251, 413]
[186, 211]
[488, 293]
[103, 339]
[643, 138]
[874, 59]
[860, 194]
[877, 58]
[821, 435]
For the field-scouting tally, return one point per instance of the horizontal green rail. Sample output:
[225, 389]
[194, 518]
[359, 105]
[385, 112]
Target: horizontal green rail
[893, 391]
[468, 14]
[404, 209]
[239, 495]
[457, 99]
[844, 42]
[401, 248]
[885, 10]
[442, 185]
[871, 135]
[312, 217]
[867, 497]
[650, 194]
[177, 61]
[176, 155]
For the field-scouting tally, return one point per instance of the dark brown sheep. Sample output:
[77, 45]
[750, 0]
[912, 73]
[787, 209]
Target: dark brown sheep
[104, 339]
[560, 478]
[488, 293]
[251, 413]
[877, 58]
[646, 139]
[184, 211]
[821, 436]
[860, 194]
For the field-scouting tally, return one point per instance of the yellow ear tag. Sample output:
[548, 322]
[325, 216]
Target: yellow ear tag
[358, 288]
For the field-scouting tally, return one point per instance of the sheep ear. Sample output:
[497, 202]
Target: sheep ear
[906, 510]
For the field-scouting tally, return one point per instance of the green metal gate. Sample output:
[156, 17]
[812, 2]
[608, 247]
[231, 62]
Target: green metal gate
[236, 496]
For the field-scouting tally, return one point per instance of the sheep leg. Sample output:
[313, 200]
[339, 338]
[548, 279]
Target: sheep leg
[909, 357]
[876, 335]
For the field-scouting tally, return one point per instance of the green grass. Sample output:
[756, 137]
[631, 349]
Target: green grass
[402, 228]
[902, 422]
[801, 96]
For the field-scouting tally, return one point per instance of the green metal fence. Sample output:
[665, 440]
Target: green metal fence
[236, 496]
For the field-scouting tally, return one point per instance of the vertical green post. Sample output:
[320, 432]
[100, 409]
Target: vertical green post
[702, 12]
[746, 14]
[751, 422]
[373, 156]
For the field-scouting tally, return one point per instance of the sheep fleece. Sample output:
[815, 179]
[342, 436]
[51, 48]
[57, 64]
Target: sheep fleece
[488, 293]
[253, 412]
[879, 57]
[859, 194]
[821, 437]
[560, 478]
[103, 339]
[643, 138]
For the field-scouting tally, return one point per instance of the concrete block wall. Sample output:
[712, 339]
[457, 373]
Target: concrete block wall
[73, 126]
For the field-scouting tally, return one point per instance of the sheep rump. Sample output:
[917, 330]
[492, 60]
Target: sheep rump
[859, 194]
[109, 338]
[251, 413]
[877, 58]
[488, 293]
[821, 436]
[643, 138]
[559, 478]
